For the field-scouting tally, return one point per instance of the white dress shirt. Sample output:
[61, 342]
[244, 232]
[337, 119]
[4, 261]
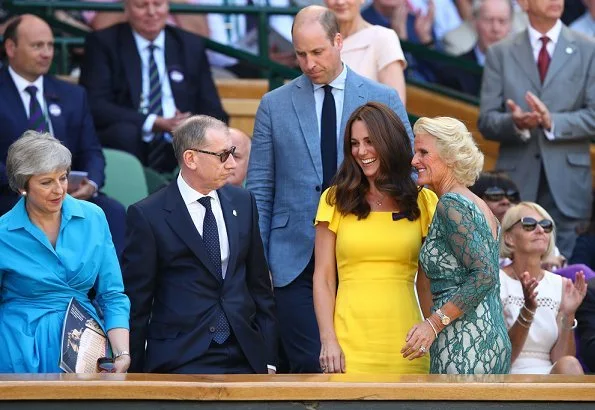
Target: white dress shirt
[167, 97]
[338, 91]
[535, 39]
[197, 213]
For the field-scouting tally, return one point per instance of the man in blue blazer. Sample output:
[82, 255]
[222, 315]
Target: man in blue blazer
[194, 267]
[117, 74]
[63, 110]
[286, 172]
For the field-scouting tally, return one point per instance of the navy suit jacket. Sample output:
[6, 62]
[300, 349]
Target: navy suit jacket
[459, 79]
[585, 315]
[111, 73]
[71, 123]
[174, 289]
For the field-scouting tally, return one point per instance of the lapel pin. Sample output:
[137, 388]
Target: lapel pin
[234, 213]
[55, 110]
[569, 50]
[176, 76]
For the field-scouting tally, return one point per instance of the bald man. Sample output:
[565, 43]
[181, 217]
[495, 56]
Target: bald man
[28, 93]
[243, 144]
[296, 148]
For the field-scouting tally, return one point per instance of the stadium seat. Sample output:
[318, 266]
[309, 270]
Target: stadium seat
[125, 179]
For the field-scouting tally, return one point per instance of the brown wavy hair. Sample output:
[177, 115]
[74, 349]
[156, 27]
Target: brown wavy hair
[393, 148]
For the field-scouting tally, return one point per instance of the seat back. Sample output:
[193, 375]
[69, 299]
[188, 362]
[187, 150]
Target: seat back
[124, 177]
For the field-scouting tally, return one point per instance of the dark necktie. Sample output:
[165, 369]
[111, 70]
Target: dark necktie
[158, 147]
[328, 137]
[37, 120]
[543, 59]
[210, 237]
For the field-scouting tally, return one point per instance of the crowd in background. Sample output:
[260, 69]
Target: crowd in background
[361, 243]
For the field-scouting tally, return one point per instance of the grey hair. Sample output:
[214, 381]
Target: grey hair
[455, 145]
[476, 7]
[192, 132]
[512, 216]
[35, 153]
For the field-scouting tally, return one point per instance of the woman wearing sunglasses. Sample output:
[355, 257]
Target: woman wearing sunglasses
[539, 306]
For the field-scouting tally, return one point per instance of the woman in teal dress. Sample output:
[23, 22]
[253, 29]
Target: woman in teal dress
[466, 333]
[53, 248]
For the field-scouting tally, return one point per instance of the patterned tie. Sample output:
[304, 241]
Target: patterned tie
[37, 120]
[543, 59]
[158, 147]
[328, 137]
[210, 238]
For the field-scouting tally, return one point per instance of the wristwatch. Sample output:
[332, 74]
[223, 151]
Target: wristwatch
[443, 318]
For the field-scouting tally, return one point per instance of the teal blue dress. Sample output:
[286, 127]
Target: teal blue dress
[38, 281]
[460, 257]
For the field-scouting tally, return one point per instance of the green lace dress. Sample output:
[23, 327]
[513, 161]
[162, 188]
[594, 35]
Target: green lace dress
[460, 257]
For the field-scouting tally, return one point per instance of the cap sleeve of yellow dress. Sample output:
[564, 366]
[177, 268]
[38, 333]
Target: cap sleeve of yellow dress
[427, 201]
[327, 213]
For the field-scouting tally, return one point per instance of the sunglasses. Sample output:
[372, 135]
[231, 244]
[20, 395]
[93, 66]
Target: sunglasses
[496, 194]
[529, 224]
[222, 155]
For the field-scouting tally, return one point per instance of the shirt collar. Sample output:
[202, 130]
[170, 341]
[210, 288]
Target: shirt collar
[481, 57]
[338, 82]
[189, 194]
[553, 35]
[22, 83]
[142, 43]
[71, 208]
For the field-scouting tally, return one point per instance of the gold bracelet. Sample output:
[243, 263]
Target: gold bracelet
[521, 323]
[524, 318]
[528, 310]
[432, 325]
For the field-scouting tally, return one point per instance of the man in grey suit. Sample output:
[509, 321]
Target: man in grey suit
[538, 101]
[296, 147]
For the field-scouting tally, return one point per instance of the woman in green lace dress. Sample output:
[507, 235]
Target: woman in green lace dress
[466, 333]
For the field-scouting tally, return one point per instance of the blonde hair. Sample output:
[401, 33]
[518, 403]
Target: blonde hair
[455, 145]
[512, 216]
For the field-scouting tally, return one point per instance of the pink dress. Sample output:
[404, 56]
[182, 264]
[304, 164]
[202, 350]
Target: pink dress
[370, 50]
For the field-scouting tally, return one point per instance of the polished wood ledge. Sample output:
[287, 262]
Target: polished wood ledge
[155, 387]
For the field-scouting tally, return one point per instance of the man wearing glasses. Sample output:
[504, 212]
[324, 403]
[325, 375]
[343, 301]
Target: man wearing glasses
[194, 267]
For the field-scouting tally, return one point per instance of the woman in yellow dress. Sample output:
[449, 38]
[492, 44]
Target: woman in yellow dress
[369, 229]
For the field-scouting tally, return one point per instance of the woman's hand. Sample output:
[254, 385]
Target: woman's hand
[122, 363]
[418, 341]
[573, 294]
[529, 285]
[332, 359]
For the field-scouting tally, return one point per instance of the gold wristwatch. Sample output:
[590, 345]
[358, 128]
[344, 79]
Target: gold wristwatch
[443, 318]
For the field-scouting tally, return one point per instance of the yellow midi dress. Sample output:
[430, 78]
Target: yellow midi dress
[376, 301]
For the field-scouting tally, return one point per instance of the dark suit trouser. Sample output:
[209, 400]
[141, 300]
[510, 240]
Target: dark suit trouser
[566, 233]
[225, 358]
[298, 327]
[114, 213]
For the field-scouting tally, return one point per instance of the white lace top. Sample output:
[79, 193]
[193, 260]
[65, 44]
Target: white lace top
[543, 333]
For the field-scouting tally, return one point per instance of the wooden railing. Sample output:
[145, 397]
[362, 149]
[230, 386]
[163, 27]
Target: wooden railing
[309, 391]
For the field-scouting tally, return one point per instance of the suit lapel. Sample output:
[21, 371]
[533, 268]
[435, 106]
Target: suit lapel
[303, 103]
[132, 64]
[523, 54]
[174, 63]
[55, 113]
[354, 97]
[181, 223]
[231, 225]
[563, 52]
[12, 98]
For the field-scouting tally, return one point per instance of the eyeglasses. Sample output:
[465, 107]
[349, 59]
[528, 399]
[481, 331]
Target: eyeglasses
[496, 194]
[222, 156]
[529, 224]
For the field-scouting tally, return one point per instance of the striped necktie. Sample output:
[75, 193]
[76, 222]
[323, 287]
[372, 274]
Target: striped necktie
[159, 150]
[37, 120]
[155, 106]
